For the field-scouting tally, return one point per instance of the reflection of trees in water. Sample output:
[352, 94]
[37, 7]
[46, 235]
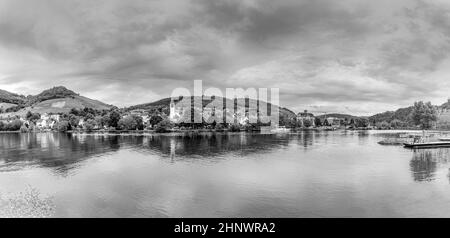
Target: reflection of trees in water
[63, 152]
[56, 150]
[307, 138]
[425, 162]
[208, 145]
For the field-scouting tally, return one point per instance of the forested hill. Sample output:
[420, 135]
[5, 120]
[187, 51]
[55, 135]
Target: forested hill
[404, 115]
[338, 115]
[164, 104]
[401, 114]
[53, 100]
[7, 97]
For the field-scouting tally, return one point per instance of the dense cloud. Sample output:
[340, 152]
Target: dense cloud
[346, 56]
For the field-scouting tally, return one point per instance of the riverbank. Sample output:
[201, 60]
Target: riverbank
[211, 130]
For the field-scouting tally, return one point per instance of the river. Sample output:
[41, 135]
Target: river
[304, 174]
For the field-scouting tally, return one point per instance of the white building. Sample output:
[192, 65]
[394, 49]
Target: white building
[176, 113]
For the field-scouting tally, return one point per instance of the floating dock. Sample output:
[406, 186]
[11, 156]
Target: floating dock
[428, 145]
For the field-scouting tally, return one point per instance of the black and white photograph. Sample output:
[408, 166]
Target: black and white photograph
[224, 109]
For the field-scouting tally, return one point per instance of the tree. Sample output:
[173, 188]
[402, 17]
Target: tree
[317, 121]
[28, 115]
[290, 122]
[362, 122]
[285, 120]
[219, 127]
[63, 126]
[89, 125]
[14, 125]
[74, 120]
[424, 115]
[106, 121]
[98, 121]
[383, 125]
[74, 111]
[114, 118]
[24, 129]
[139, 122]
[235, 127]
[163, 126]
[155, 119]
[89, 116]
[307, 123]
[127, 123]
[32, 116]
[397, 123]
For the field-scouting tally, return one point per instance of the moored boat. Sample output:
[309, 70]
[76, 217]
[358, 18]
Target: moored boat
[428, 145]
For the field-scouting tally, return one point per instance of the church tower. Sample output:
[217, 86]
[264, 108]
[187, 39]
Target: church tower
[172, 110]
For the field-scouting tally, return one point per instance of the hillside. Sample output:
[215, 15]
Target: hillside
[164, 106]
[338, 115]
[11, 98]
[53, 93]
[401, 114]
[54, 100]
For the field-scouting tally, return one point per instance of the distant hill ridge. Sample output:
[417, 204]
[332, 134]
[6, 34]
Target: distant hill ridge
[337, 115]
[8, 97]
[53, 93]
[54, 100]
[60, 99]
[164, 105]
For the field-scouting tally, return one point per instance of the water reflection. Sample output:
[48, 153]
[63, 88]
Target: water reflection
[326, 174]
[63, 152]
[425, 163]
[213, 145]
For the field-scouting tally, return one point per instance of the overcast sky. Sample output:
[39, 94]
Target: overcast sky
[348, 56]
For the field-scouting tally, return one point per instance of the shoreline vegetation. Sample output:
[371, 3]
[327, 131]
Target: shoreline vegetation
[41, 113]
[169, 131]
[423, 117]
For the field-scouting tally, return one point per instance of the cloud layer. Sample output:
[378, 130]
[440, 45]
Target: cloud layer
[348, 56]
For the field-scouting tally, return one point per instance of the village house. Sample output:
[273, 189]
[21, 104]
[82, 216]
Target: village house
[81, 122]
[41, 124]
[176, 113]
[335, 122]
[145, 119]
[242, 119]
[302, 117]
[47, 121]
[55, 117]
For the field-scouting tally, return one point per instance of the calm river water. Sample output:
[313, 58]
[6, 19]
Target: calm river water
[305, 174]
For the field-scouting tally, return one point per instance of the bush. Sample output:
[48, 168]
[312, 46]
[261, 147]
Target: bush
[219, 127]
[155, 119]
[24, 129]
[89, 125]
[63, 126]
[163, 126]
[114, 118]
[127, 123]
[74, 121]
[235, 128]
[14, 125]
